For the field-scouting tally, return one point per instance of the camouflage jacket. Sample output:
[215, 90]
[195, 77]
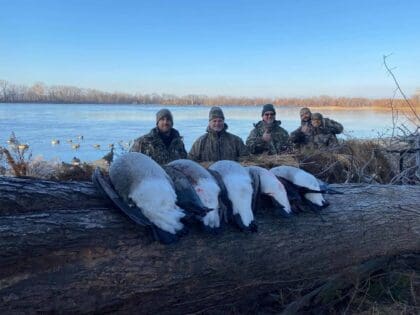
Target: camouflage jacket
[321, 140]
[216, 146]
[300, 137]
[152, 145]
[279, 139]
[325, 135]
[331, 126]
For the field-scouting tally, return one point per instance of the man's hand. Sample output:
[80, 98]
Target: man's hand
[305, 129]
[266, 136]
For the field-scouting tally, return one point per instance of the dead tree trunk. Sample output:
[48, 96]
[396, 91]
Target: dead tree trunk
[64, 249]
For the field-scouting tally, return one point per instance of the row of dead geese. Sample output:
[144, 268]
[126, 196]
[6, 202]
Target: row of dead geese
[166, 198]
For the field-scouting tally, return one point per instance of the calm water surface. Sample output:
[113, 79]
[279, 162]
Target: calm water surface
[38, 124]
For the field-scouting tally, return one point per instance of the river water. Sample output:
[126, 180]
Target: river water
[102, 125]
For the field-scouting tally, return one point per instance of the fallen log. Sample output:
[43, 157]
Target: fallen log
[18, 195]
[65, 249]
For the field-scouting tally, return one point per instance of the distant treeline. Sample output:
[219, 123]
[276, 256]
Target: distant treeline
[57, 94]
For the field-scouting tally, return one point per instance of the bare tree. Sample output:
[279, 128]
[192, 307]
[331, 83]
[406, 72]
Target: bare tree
[3, 89]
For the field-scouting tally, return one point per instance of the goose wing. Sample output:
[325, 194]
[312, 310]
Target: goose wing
[104, 185]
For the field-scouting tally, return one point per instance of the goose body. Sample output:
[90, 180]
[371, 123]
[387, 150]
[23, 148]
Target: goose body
[206, 188]
[239, 189]
[142, 182]
[272, 187]
[306, 184]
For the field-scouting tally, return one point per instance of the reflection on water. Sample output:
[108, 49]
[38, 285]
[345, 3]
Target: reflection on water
[39, 124]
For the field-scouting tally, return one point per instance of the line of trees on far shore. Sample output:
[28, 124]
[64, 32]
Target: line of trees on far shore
[57, 94]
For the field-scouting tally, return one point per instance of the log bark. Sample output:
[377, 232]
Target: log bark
[65, 249]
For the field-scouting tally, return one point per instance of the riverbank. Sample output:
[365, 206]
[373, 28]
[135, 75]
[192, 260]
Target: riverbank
[41, 93]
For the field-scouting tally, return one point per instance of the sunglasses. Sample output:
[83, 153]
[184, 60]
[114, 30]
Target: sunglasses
[269, 114]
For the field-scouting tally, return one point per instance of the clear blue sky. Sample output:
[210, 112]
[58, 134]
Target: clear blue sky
[250, 48]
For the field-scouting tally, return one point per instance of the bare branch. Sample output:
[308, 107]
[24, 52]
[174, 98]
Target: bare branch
[400, 90]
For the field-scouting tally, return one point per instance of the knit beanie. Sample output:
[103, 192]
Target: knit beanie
[164, 112]
[216, 112]
[317, 116]
[305, 110]
[268, 108]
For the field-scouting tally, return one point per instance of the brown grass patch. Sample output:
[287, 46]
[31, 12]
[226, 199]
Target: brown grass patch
[69, 172]
[269, 161]
[354, 161]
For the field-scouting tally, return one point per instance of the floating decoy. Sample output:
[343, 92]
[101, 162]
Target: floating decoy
[75, 161]
[23, 146]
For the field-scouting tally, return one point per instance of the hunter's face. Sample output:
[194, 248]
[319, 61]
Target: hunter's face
[316, 122]
[269, 117]
[217, 124]
[305, 116]
[164, 125]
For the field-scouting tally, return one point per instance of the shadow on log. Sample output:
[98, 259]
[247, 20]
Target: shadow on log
[65, 249]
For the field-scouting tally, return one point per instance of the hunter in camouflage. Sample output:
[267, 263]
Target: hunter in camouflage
[302, 135]
[163, 143]
[324, 132]
[315, 131]
[217, 144]
[267, 135]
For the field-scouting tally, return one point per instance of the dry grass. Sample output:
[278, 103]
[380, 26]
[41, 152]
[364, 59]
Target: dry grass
[390, 288]
[16, 156]
[393, 290]
[353, 161]
[269, 161]
[50, 170]
[82, 172]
